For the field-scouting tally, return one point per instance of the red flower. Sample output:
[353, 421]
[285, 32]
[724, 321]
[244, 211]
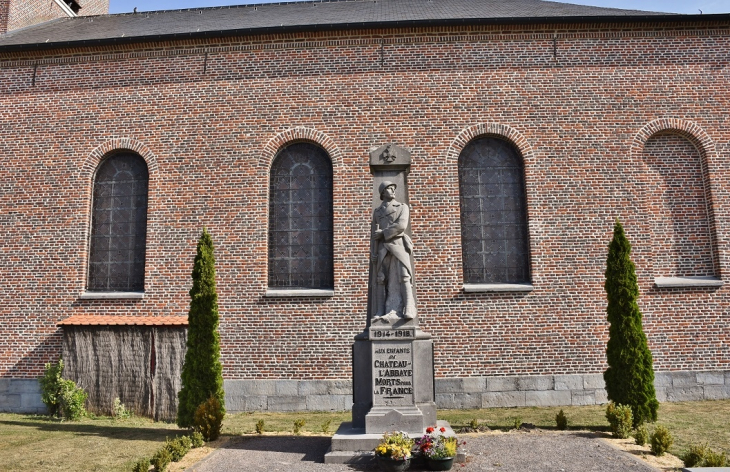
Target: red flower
[442, 429]
[430, 429]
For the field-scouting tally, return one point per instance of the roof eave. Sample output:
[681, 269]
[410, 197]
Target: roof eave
[673, 18]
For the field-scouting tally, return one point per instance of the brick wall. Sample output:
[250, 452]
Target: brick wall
[16, 14]
[601, 116]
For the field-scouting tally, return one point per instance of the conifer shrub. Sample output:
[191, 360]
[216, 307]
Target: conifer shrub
[695, 455]
[715, 459]
[178, 447]
[197, 439]
[202, 374]
[630, 374]
[260, 427]
[661, 440]
[325, 427]
[142, 465]
[298, 425]
[161, 459]
[620, 418]
[561, 420]
[641, 435]
[208, 418]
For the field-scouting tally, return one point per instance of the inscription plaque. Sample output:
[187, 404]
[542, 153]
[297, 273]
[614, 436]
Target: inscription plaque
[392, 373]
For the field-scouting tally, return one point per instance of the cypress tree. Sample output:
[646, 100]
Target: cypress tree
[630, 374]
[202, 374]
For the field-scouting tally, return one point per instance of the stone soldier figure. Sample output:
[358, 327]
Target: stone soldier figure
[391, 256]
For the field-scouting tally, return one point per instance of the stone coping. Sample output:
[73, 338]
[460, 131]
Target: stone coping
[298, 292]
[687, 282]
[481, 288]
[111, 320]
[111, 295]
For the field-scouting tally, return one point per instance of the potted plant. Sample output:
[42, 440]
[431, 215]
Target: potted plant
[394, 452]
[438, 449]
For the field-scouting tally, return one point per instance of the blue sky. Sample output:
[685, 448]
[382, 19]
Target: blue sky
[669, 6]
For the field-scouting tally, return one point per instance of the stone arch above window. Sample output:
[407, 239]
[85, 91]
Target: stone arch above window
[118, 236]
[494, 231]
[301, 218]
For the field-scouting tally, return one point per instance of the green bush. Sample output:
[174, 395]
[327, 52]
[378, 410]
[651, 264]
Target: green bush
[119, 411]
[326, 426]
[561, 420]
[178, 447]
[630, 374]
[161, 460]
[715, 459]
[142, 465]
[197, 439]
[621, 420]
[208, 418]
[298, 425]
[73, 399]
[517, 422]
[641, 435]
[661, 440]
[62, 397]
[695, 456]
[260, 427]
[202, 373]
[51, 387]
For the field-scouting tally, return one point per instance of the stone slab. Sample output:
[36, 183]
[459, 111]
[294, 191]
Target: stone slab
[593, 381]
[463, 385]
[662, 379]
[711, 378]
[296, 403]
[326, 402]
[245, 388]
[503, 399]
[24, 386]
[287, 388]
[685, 394]
[501, 384]
[535, 383]
[568, 382]
[717, 392]
[548, 398]
[683, 379]
[459, 401]
[583, 397]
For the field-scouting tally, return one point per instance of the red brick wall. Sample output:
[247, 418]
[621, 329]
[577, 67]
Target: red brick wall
[16, 14]
[209, 117]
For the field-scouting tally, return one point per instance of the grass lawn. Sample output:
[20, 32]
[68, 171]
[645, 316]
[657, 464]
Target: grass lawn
[39, 443]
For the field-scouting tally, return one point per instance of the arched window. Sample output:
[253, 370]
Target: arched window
[493, 213]
[300, 219]
[119, 225]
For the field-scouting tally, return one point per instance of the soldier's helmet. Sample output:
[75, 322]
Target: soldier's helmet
[384, 185]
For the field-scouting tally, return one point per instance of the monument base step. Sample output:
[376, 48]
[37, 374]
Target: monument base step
[354, 446]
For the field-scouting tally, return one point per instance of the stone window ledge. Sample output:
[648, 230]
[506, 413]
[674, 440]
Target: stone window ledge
[111, 295]
[687, 282]
[483, 288]
[298, 292]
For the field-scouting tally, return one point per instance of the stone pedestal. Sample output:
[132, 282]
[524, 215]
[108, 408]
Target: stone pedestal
[393, 387]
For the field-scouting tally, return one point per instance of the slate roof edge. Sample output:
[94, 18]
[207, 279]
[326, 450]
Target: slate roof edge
[661, 18]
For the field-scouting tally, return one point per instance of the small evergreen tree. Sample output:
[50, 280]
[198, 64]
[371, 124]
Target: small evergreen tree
[202, 375]
[630, 374]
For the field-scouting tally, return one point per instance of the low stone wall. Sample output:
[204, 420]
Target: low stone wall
[23, 395]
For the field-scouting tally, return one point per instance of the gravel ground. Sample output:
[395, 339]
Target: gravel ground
[512, 452]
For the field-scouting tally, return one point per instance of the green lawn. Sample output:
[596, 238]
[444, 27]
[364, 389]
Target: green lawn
[38, 443]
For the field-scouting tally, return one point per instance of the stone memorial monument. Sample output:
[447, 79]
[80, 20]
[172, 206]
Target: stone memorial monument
[393, 373]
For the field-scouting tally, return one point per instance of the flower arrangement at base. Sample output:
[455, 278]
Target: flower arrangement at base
[435, 445]
[395, 445]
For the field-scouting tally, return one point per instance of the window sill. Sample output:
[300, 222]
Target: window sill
[298, 292]
[482, 288]
[111, 296]
[687, 282]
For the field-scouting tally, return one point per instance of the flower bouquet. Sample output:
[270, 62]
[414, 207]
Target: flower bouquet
[438, 449]
[394, 451]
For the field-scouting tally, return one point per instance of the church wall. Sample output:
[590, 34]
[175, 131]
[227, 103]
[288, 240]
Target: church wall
[212, 115]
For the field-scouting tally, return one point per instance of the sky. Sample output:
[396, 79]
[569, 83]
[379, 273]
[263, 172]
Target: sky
[668, 6]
